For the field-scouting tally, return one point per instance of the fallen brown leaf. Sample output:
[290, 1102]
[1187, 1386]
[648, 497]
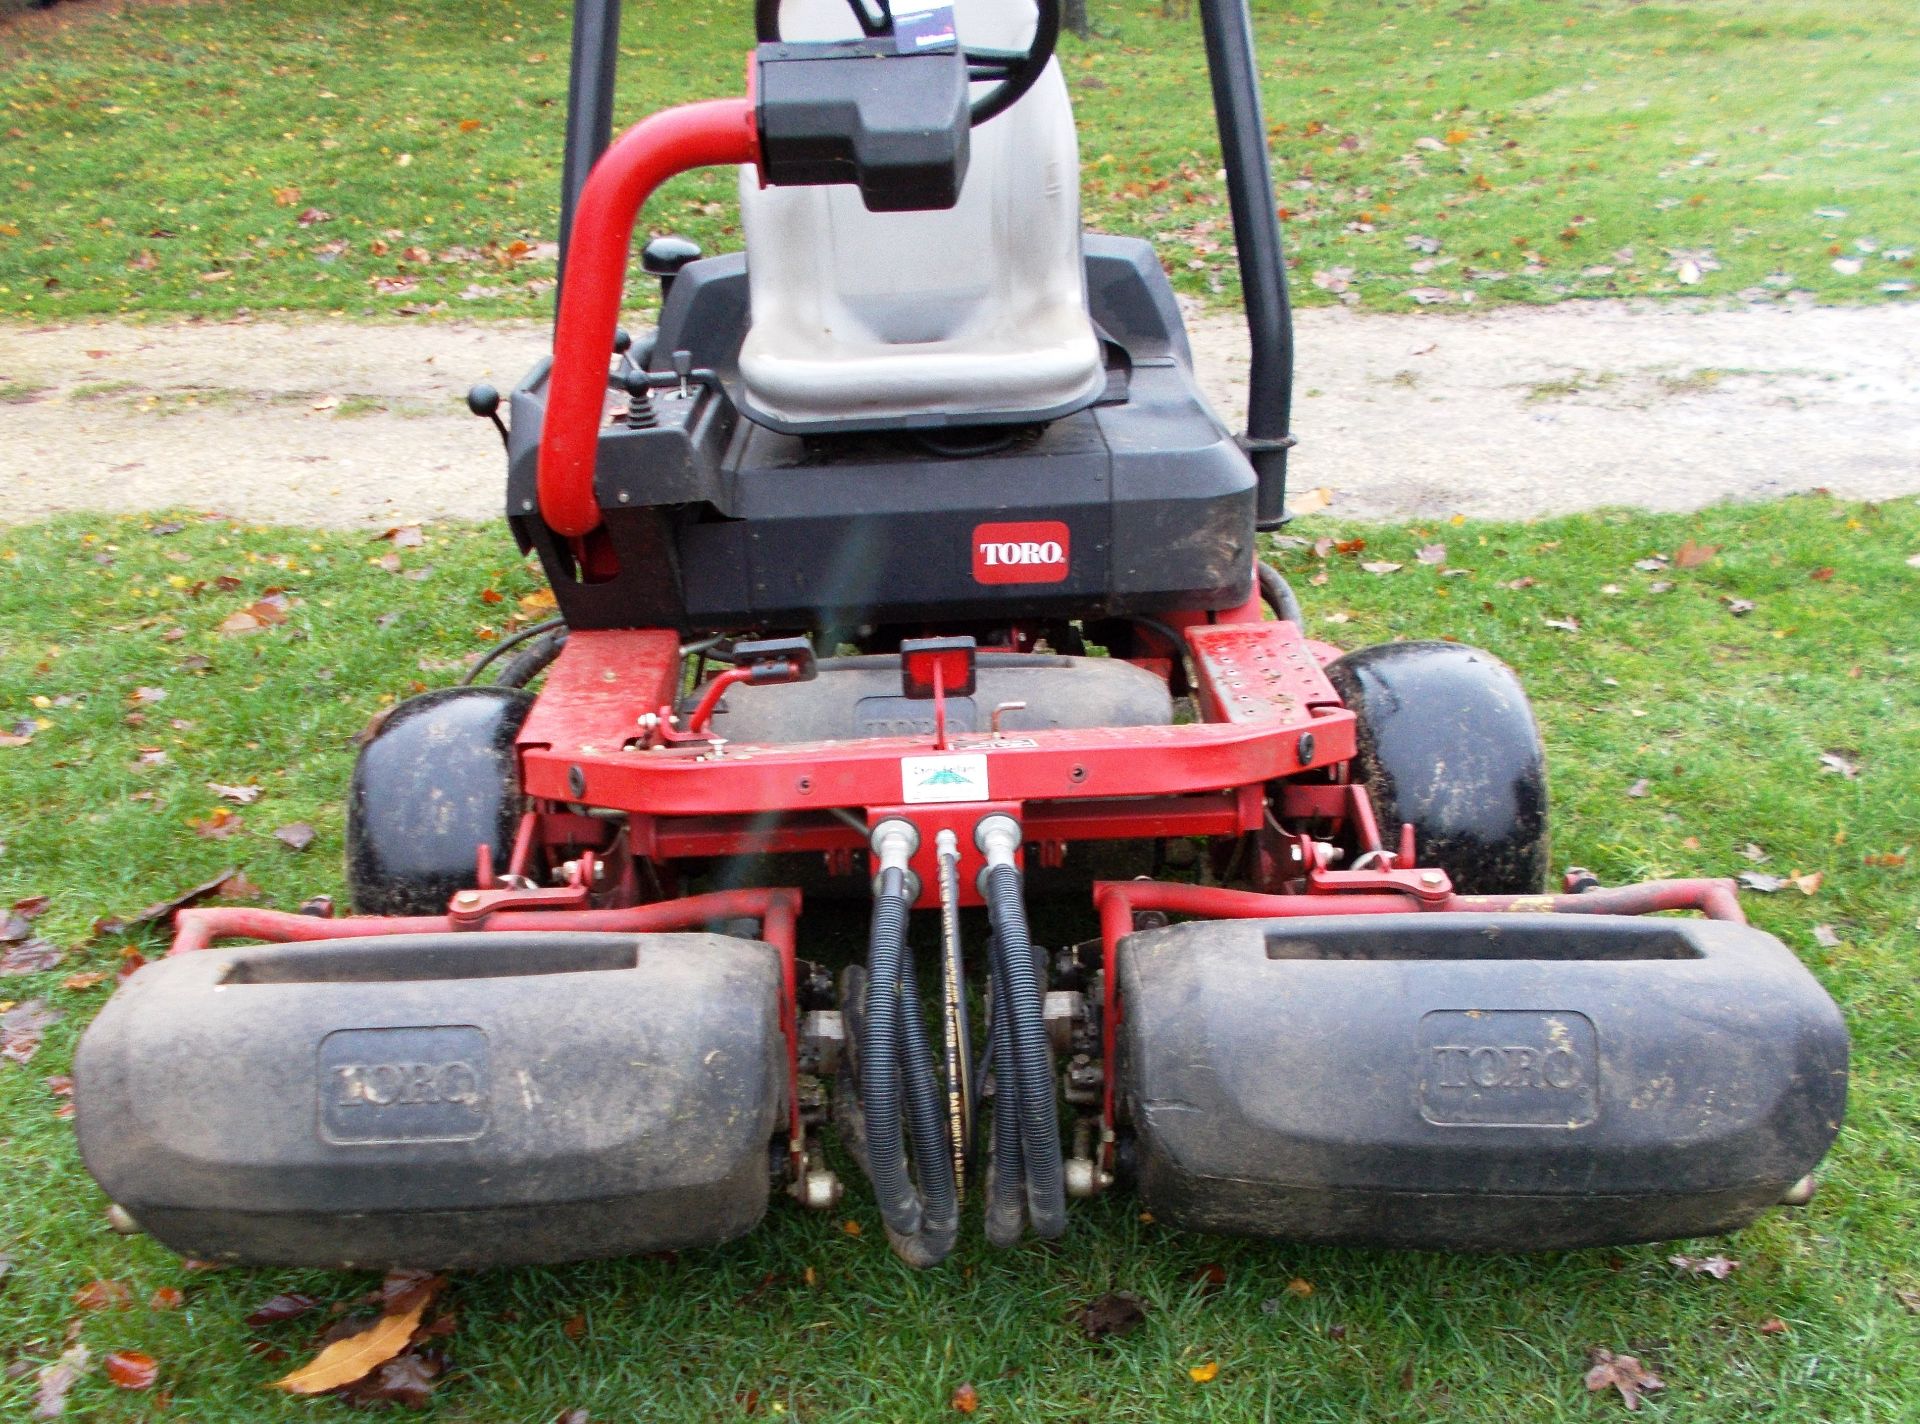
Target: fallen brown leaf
[1773, 1325]
[55, 1380]
[130, 1369]
[1621, 1372]
[965, 1399]
[290, 1306]
[22, 1026]
[1114, 1315]
[351, 1359]
[1719, 1267]
[103, 1295]
[32, 957]
[218, 826]
[296, 836]
[239, 795]
[167, 1298]
[161, 912]
[407, 1379]
[1691, 555]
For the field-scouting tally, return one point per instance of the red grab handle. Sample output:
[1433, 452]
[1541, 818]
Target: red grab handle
[672, 141]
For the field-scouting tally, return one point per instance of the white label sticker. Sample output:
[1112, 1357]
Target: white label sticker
[943, 778]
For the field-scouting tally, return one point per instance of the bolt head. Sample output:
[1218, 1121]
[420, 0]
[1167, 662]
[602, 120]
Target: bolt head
[1431, 877]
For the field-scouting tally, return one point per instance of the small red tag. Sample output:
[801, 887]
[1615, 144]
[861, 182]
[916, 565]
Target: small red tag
[1034, 552]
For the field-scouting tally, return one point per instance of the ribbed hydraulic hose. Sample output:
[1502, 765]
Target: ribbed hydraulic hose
[1006, 1179]
[897, 1080]
[1024, 1068]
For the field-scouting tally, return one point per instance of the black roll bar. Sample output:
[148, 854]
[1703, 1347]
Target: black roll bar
[1227, 29]
[590, 80]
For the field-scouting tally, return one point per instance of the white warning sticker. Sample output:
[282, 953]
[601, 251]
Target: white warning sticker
[960, 777]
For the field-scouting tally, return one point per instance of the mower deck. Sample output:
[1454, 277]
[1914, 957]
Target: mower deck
[916, 566]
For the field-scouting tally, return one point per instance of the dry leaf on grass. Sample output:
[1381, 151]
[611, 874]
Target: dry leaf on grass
[297, 836]
[966, 1399]
[32, 957]
[22, 1026]
[227, 882]
[1114, 1315]
[130, 1369]
[54, 1380]
[290, 1306]
[103, 1295]
[1719, 1267]
[354, 1358]
[1624, 1373]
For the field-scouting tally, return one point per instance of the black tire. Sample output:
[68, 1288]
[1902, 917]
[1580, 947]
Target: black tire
[436, 782]
[1447, 741]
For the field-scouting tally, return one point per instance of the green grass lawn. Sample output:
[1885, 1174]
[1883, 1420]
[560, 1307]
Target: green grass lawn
[1717, 720]
[203, 158]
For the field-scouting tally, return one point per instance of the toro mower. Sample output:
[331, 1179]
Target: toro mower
[904, 562]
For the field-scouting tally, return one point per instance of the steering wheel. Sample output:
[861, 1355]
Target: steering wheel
[1011, 71]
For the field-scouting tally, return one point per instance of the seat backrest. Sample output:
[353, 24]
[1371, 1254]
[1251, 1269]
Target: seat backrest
[974, 314]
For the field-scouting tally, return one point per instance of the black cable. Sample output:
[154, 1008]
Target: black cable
[532, 660]
[512, 641]
[1006, 1178]
[922, 1231]
[1031, 1056]
[1279, 595]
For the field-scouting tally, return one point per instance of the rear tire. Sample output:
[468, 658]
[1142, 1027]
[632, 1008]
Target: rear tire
[436, 782]
[1447, 741]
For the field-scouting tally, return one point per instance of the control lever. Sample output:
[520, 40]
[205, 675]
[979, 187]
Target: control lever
[484, 401]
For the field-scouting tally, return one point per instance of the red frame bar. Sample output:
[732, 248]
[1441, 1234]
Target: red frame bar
[776, 909]
[719, 131]
[1284, 718]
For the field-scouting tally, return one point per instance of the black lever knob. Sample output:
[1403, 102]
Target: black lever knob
[484, 401]
[665, 256]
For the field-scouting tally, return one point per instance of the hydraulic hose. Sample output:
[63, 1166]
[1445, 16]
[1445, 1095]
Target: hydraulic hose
[532, 660]
[1006, 1180]
[1026, 1053]
[1279, 595]
[896, 1081]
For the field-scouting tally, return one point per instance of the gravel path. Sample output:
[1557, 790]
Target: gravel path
[1515, 413]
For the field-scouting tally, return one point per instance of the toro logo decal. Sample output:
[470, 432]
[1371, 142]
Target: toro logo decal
[1034, 552]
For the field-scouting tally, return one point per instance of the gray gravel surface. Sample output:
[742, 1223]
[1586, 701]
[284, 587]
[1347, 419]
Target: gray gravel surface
[1516, 412]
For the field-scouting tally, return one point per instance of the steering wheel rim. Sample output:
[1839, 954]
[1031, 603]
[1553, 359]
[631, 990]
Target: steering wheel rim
[1012, 72]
